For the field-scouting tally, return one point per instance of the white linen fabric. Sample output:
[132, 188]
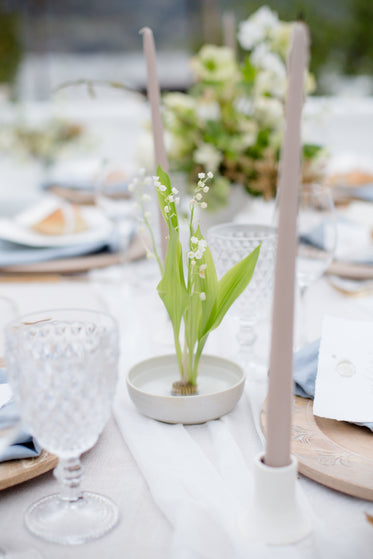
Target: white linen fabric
[201, 476]
[157, 525]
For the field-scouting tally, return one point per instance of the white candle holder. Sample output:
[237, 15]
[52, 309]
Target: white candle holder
[279, 516]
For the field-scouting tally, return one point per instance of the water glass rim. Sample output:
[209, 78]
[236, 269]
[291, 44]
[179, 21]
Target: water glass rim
[53, 310]
[268, 231]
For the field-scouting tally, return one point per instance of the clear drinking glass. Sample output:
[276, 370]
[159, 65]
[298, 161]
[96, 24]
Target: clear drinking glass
[62, 367]
[114, 199]
[229, 243]
[9, 426]
[317, 235]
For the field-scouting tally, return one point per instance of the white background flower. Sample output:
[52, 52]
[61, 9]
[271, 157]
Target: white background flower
[215, 64]
[208, 156]
[208, 110]
[257, 27]
[269, 111]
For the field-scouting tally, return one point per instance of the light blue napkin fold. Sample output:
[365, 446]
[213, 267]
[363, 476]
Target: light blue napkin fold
[305, 370]
[316, 236]
[364, 192]
[24, 446]
[13, 254]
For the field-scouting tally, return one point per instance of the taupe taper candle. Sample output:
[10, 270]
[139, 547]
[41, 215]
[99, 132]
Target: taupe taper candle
[280, 391]
[154, 97]
[229, 31]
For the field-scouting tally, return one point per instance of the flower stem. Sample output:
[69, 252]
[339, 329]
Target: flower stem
[150, 231]
[197, 357]
[179, 354]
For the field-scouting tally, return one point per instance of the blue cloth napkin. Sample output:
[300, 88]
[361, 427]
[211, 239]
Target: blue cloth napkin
[13, 254]
[316, 237]
[24, 446]
[364, 192]
[305, 369]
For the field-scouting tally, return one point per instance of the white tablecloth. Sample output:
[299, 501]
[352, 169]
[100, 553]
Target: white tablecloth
[143, 531]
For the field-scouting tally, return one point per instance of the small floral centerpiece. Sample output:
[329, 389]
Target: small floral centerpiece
[230, 122]
[43, 142]
[195, 300]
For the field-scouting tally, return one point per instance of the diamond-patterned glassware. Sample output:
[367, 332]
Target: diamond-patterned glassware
[231, 242]
[62, 366]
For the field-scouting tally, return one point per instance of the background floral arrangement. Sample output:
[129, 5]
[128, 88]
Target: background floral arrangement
[230, 122]
[43, 142]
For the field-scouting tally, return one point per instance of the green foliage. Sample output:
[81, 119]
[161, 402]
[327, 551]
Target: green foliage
[231, 285]
[310, 151]
[249, 72]
[190, 290]
[10, 47]
[341, 31]
[231, 121]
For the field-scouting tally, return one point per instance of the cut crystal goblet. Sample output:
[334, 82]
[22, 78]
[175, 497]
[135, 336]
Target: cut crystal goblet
[62, 367]
[229, 243]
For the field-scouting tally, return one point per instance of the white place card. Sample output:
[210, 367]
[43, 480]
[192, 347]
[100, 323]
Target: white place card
[344, 381]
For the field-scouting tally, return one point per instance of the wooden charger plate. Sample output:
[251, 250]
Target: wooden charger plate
[17, 471]
[76, 264]
[351, 270]
[334, 453]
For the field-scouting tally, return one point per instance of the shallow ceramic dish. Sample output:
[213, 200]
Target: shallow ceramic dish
[220, 386]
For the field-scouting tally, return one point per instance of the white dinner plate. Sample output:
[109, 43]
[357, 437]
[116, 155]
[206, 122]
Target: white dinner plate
[99, 228]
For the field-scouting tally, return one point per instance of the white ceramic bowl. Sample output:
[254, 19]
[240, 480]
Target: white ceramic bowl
[220, 386]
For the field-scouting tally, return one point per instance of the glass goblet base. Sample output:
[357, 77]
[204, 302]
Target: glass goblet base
[72, 522]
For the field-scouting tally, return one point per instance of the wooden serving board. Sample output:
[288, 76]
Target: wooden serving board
[17, 471]
[77, 264]
[351, 270]
[334, 453]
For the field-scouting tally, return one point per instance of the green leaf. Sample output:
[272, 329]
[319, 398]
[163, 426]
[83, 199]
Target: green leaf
[207, 284]
[203, 280]
[192, 319]
[248, 71]
[311, 150]
[231, 285]
[171, 288]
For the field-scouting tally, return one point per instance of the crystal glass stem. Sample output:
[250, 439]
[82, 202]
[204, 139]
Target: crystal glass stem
[246, 337]
[69, 473]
